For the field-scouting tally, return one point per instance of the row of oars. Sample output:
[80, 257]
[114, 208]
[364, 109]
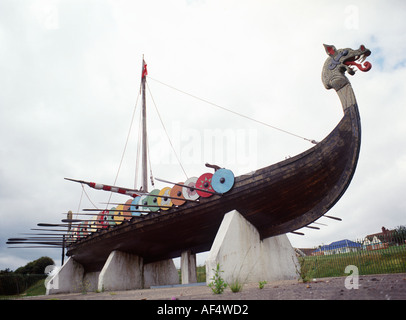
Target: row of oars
[77, 229]
[309, 226]
[60, 238]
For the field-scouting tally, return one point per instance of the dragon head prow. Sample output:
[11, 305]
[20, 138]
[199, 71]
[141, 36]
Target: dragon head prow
[340, 61]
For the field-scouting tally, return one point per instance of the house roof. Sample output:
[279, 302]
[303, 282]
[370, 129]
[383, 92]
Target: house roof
[307, 251]
[384, 234]
[340, 244]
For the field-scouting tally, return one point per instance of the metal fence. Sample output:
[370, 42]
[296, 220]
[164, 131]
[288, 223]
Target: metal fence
[370, 256]
[14, 284]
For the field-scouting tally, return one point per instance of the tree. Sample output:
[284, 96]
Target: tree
[36, 267]
[399, 234]
[6, 271]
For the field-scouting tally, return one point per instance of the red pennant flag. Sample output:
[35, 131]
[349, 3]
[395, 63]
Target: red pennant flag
[144, 72]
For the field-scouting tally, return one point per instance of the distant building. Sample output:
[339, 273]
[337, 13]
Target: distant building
[378, 240]
[342, 246]
[373, 243]
[302, 252]
[384, 236]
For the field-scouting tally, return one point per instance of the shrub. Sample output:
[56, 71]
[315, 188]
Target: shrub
[218, 284]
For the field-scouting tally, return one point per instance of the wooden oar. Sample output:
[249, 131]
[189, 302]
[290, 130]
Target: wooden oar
[331, 217]
[44, 234]
[52, 230]
[37, 247]
[115, 210]
[99, 212]
[194, 188]
[298, 233]
[311, 227]
[36, 242]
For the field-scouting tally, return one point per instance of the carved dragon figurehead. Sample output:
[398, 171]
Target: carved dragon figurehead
[340, 61]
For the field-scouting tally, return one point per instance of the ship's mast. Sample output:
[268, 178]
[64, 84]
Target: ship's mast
[144, 168]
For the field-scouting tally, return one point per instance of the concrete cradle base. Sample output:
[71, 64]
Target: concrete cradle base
[245, 258]
[188, 267]
[69, 278]
[121, 271]
[160, 273]
[237, 248]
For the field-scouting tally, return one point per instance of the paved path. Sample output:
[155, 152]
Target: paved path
[371, 287]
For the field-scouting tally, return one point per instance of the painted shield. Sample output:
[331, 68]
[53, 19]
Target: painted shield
[83, 229]
[222, 181]
[189, 193]
[143, 202]
[135, 207]
[75, 233]
[162, 200]
[204, 183]
[110, 217]
[152, 200]
[118, 218]
[176, 192]
[102, 217]
[126, 213]
[93, 224]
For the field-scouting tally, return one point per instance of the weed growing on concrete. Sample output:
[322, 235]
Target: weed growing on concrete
[235, 286]
[262, 284]
[218, 284]
[301, 271]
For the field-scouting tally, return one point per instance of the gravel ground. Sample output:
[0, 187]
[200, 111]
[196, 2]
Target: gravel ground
[371, 287]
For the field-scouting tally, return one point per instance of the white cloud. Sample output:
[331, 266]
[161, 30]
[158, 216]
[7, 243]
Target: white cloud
[70, 77]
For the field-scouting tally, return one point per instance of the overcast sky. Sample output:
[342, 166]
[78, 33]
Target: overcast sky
[70, 77]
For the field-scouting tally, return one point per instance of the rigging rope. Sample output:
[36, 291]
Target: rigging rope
[80, 200]
[83, 187]
[234, 112]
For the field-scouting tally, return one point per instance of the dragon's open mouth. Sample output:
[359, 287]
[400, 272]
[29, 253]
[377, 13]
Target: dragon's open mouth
[358, 61]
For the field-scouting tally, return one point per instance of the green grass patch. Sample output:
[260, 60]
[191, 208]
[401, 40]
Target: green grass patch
[37, 289]
[390, 260]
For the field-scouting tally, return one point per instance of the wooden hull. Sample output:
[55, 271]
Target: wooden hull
[277, 199]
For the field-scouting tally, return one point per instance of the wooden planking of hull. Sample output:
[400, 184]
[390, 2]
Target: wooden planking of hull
[277, 199]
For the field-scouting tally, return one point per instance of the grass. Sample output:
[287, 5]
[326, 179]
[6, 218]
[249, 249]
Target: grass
[390, 260]
[235, 286]
[37, 289]
[200, 274]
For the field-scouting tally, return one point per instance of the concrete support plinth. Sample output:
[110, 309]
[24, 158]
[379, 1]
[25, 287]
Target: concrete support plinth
[90, 281]
[188, 267]
[122, 271]
[245, 258]
[68, 279]
[160, 273]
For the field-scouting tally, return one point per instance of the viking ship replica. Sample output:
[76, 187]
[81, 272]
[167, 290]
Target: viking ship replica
[277, 199]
